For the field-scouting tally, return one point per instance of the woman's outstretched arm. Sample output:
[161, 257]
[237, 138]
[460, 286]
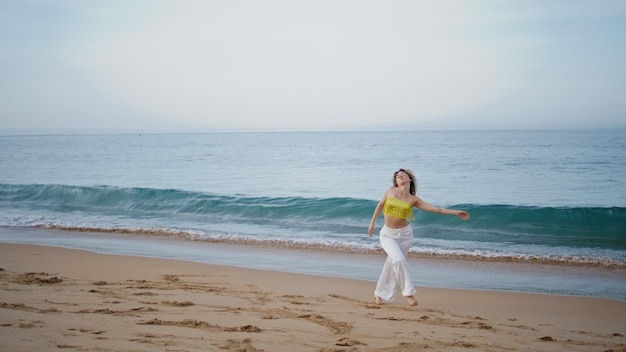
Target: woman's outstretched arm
[422, 205]
[377, 211]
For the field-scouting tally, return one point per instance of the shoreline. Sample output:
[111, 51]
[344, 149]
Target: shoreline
[567, 261]
[426, 272]
[56, 297]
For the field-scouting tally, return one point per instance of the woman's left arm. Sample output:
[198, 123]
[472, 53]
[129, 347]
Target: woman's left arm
[422, 205]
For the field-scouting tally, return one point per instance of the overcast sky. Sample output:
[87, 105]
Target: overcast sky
[304, 64]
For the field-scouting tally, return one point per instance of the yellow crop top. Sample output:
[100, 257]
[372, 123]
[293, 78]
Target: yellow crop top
[398, 208]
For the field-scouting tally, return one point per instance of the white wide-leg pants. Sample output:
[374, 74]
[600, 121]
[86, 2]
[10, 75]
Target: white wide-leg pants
[395, 274]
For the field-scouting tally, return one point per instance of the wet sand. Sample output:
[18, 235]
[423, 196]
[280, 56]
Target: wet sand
[63, 299]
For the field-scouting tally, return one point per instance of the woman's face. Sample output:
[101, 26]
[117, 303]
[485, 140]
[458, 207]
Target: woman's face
[402, 177]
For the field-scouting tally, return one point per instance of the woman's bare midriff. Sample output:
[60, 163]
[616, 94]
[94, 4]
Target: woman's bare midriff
[395, 223]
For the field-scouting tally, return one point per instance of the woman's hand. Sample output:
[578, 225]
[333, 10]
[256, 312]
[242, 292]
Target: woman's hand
[370, 230]
[463, 214]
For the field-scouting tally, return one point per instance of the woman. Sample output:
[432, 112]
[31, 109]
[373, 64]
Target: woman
[396, 237]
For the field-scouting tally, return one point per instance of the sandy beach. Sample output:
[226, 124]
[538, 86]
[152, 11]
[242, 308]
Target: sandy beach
[63, 299]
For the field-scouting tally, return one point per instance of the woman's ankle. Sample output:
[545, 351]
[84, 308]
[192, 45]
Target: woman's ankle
[412, 300]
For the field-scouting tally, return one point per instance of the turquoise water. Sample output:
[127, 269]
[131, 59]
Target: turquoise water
[576, 235]
[550, 196]
[576, 168]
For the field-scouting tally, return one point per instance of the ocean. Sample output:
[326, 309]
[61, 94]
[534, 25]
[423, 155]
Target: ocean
[554, 198]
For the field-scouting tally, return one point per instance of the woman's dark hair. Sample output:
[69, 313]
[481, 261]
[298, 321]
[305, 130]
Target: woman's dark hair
[413, 186]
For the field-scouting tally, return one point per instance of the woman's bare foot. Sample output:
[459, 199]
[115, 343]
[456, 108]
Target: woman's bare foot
[412, 301]
[379, 300]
